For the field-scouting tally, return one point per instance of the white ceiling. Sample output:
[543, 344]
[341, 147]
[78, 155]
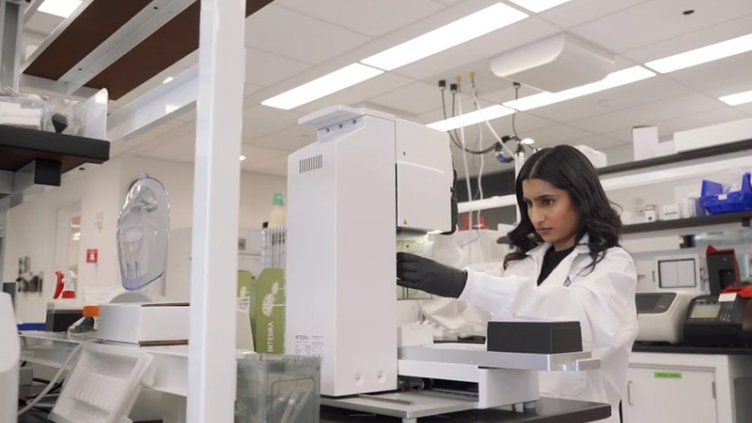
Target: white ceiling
[291, 42]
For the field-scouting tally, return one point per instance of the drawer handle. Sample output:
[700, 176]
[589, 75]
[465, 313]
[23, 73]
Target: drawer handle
[629, 393]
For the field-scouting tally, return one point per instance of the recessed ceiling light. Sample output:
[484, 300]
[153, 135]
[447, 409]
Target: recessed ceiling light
[323, 86]
[738, 98]
[168, 80]
[467, 119]
[464, 29]
[537, 6]
[702, 55]
[614, 79]
[242, 157]
[61, 8]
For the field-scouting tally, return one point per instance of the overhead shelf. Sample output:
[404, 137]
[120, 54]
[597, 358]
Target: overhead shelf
[700, 153]
[743, 218]
[56, 153]
[67, 56]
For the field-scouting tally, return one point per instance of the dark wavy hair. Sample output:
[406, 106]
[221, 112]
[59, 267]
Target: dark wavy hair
[568, 169]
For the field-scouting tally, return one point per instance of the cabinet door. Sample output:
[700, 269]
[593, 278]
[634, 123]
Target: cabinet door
[669, 395]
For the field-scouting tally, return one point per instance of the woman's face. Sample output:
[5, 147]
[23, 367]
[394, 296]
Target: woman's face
[552, 212]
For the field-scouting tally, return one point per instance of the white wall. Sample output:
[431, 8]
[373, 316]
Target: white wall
[100, 190]
[32, 228]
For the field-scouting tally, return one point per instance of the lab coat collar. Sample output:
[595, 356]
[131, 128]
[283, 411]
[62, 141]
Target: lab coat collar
[539, 251]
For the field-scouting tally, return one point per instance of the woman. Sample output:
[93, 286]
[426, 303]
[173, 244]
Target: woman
[567, 265]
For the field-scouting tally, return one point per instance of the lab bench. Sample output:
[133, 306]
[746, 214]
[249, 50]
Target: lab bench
[675, 383]
[547, 410]
[171, 368]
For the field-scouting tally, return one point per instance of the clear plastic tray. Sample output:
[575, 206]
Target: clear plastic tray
[103, 385]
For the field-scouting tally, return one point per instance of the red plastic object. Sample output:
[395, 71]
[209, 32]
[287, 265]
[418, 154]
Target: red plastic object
[744, 291]
[59, 285]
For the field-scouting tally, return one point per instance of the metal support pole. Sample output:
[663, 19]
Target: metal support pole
[11, 17]
[216, 199]
[3, 228]
[519, 160]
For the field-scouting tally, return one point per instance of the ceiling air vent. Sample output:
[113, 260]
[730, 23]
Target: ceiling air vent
[311, 163]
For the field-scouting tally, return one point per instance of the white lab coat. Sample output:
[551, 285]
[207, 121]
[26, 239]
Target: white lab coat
[602, 300]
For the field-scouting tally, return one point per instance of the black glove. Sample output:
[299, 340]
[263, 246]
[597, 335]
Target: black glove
[427, 275]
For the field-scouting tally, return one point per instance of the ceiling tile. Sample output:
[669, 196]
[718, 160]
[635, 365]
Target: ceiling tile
[692, 40]
[260, 120]
[708, 77]
[745, 108]
[624, 135]
[436, 113]
[647, 114]
[264, 69]
[667, 128]
[249, 89]
[650, 22]
[370, 17]
[359, 93]
[631, 95]
[523, 121]
[289, 139]
[732, 88]
[557, 134]
[413, 99]
[580, 11]
[297, 36]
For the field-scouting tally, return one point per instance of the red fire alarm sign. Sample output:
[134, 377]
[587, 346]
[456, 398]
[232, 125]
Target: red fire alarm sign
[91, 255]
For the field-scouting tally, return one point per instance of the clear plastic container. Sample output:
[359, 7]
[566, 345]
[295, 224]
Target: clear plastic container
[85, 327]
[278, 389]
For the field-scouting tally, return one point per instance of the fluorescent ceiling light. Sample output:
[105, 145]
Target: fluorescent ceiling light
[614, 79]
[62, 8]
[168, 80]
[702, 55]
[323, 86]
[467, 119]
[537, 6]
[738, 98]
[464, 29]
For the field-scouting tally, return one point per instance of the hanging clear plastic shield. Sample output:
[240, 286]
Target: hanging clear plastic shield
[142, 233]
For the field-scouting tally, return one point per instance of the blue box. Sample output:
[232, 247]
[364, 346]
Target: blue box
[716, 202]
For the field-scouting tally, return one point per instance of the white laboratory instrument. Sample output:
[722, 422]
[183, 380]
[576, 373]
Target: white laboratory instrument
[661, 311]
[342, 214]
[367, 174]
[8, 361]
[660, 315]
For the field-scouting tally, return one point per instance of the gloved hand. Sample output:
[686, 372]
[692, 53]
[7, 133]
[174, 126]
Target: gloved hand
[427, 275]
